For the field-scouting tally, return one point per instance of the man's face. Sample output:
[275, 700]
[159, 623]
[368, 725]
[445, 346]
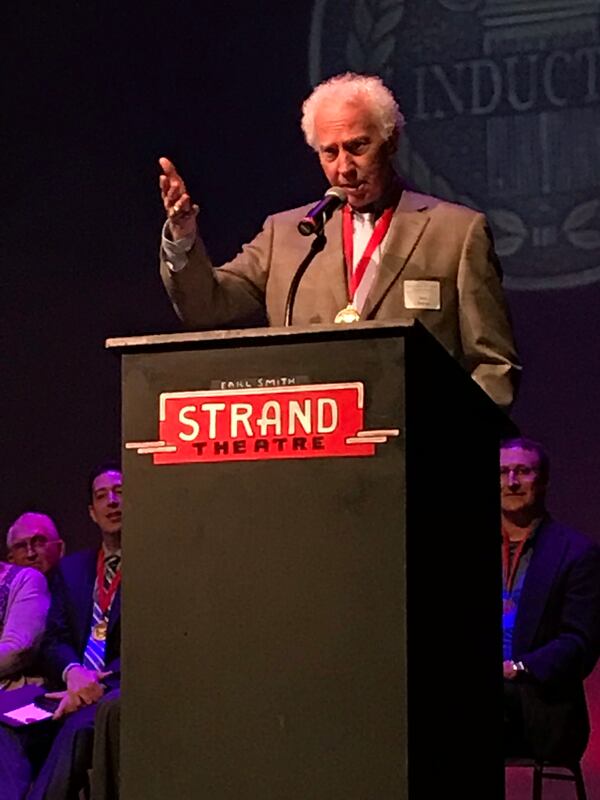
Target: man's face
[521, 488]
[352, 152]
[34, 542]
[105, 508]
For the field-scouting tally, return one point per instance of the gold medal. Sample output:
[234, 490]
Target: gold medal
[99, 631]
[348, 314]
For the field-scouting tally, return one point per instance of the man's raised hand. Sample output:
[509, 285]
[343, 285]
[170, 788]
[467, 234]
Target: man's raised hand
[181, 212]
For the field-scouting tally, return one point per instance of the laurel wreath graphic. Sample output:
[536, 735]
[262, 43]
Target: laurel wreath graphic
[460, 5]
[574, 226]
[371, 41]
[510, 231]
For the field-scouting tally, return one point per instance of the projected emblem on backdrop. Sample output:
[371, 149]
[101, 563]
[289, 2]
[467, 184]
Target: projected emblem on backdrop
[502, 99]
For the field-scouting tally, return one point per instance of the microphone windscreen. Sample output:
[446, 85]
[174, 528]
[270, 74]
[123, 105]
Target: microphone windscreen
[337, 191]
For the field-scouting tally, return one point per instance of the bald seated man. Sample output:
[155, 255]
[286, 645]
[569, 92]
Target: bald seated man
[33, 541]
[390, 253]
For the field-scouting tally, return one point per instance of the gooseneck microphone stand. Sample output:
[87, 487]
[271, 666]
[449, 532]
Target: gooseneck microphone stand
[317, 245]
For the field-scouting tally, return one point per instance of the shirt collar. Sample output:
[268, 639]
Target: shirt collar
[108, 553]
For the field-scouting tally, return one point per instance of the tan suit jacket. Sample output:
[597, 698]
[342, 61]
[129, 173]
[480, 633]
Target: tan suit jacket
[429, 239]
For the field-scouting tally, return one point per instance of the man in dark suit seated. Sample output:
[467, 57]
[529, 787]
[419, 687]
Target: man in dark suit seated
[81, 647]
[551, 614]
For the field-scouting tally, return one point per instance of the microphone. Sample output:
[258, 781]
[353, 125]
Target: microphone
[315, 220]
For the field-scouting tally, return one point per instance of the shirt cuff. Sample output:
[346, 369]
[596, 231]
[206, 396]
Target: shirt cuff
[67, 668]
[176, 253]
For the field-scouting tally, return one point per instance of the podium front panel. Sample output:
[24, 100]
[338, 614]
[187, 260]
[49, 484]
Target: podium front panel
[264, 600]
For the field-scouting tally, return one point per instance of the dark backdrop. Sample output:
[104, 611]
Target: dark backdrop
[95, 95]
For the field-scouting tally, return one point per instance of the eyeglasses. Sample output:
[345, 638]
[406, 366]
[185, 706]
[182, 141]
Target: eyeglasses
[37, 542]
[520, 471]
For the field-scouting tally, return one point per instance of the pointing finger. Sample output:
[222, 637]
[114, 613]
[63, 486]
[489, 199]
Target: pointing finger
[167, 166]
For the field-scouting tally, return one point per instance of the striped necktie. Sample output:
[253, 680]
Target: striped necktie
[93, 656]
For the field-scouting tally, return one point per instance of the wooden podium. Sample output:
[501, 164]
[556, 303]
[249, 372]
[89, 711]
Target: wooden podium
[312, 583]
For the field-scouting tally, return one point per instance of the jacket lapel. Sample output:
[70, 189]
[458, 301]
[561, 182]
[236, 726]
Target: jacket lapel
[547, 556]
[83, 599]
[408, 224]
[115, 611]
[331, 265]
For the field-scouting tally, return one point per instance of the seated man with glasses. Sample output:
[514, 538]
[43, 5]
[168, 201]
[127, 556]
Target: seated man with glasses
[24, 602]
[33, 541]
[551, 614]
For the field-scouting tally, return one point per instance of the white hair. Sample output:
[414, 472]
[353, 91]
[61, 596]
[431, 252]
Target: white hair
[350, 87]
[30, 519]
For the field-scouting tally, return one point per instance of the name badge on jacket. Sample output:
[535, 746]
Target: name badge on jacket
[423, 295]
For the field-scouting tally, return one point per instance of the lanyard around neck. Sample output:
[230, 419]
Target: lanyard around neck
[106, 593]
[356, 274]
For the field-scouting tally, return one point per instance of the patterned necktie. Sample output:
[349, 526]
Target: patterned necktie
[93, 657]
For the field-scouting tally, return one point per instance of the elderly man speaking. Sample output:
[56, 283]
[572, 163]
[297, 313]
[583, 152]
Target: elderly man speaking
[390, 253]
